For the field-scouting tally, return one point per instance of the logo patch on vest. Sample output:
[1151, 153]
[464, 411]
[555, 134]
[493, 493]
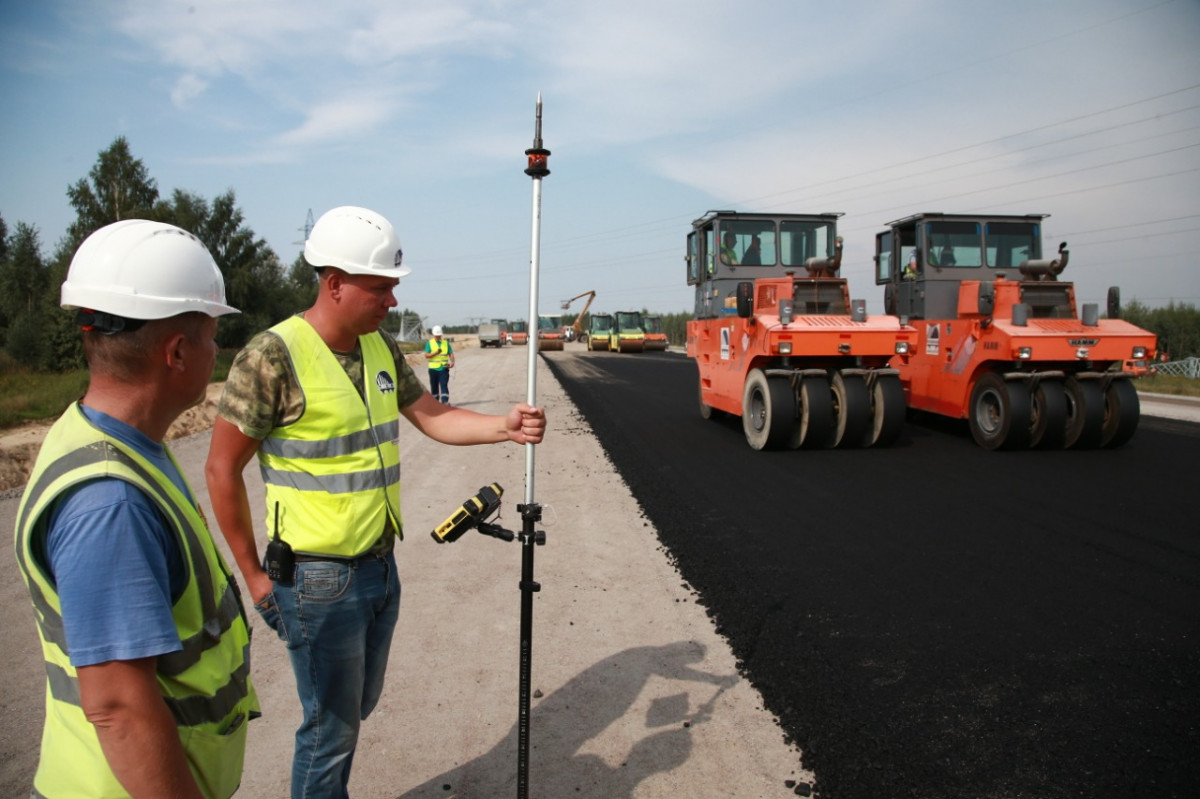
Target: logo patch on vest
[384, 382]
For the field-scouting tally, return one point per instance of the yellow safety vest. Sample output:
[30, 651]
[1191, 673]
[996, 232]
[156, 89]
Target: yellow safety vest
[206, 684]
[442, 357]
[335, 471]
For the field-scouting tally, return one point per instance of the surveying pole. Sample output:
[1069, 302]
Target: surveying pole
[531, 512]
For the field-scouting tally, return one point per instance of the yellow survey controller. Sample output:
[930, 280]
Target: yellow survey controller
[475, 510]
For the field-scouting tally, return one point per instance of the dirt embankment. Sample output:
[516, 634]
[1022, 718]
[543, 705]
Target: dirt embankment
[19, 445]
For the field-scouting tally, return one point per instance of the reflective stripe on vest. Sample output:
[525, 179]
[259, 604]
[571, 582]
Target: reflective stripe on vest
[206, 685]
[335, 471]
[442, 357]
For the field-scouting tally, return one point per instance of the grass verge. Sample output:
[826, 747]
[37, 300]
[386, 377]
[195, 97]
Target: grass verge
[27, 396]
[32, 396]
[1168, 384]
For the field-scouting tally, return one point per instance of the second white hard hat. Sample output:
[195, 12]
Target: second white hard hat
[138, 269]
[356, 240]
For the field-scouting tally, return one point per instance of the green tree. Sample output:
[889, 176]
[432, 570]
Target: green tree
[119, 187]
[24, 276]
[24, 281]
[25, 342]
[1177, 327]
[63, 348]
[301, 284]
[184, 209]
[3, 259]
[254, 283]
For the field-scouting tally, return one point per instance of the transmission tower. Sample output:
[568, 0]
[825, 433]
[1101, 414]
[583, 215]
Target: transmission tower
[308, 226]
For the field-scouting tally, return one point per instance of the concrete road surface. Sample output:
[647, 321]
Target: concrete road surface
[635, 694]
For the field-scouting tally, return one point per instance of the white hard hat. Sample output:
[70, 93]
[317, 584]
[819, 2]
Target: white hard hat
[138, 269]
[437, 330]
[355, 240]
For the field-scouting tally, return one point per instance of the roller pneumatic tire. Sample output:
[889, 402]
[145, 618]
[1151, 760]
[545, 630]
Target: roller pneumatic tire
[999, 413]
[1122, 409]
[768, 410]
[706, 411]
[1085, 413]
[815, 426]
[888, 411]
[852, 409]
[1048, 425]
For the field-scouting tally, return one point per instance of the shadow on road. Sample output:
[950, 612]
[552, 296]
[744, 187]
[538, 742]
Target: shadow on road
[562, 724]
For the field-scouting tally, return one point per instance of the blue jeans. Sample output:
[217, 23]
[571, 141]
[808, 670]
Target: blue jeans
[439, 384]
[337, 620]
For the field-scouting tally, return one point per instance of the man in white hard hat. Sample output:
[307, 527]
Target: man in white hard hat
[318, 399]
[440, 357]
[143, 632]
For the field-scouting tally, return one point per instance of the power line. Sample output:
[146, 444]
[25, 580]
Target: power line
[650, 227]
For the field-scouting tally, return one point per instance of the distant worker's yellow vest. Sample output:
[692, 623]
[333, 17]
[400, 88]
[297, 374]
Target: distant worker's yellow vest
[206, 684]
[335, 471]
[442, 357]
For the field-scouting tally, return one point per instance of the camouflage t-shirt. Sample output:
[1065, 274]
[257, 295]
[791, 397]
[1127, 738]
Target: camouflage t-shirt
[262, 391]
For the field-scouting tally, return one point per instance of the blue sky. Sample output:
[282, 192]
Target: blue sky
[1088, 110]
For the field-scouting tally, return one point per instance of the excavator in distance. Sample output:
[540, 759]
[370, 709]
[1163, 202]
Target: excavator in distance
[575, 331]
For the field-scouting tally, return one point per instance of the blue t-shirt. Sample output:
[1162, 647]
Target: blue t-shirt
[115, 561]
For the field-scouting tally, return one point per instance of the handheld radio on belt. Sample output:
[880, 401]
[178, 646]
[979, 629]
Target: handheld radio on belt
[281, 560]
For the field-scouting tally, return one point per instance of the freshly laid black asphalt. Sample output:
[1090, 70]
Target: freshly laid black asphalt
[933, 620]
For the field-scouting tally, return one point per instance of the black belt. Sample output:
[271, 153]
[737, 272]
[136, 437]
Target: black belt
[336, 559]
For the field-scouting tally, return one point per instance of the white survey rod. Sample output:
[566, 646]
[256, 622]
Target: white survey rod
[537, 156]
[531, 387]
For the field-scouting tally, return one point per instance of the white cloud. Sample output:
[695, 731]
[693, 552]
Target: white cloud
[211, 37]
[340, 118]
[398, 31]
[187, 88]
